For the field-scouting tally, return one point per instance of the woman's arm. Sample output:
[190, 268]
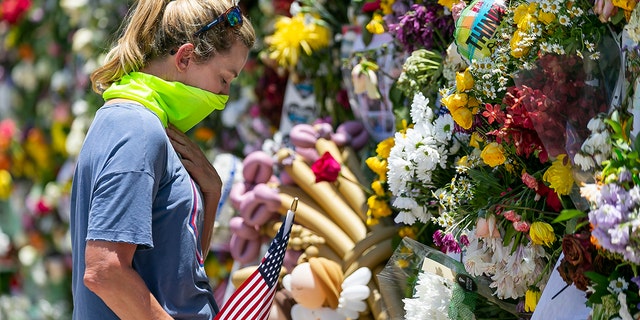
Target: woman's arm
[205, 175]
[109, 275]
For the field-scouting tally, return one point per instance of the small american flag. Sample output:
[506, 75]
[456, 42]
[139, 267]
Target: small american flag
[252, 300]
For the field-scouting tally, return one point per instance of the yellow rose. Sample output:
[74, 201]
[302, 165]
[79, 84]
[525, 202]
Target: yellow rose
[517, 49]
[463, 162]
[541, 233]
[493, 154]
[472, 103]
[5, 184]
[475, 140]
[383, 149]
[560, 175]
[627, 5]
[378, 166]
[526, 22]
[522, 11]
[464, 81]
[455, 101]
[531, 299]
[546, 17]
[463, 117]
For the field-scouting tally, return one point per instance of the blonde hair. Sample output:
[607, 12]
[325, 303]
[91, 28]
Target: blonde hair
[153, 28]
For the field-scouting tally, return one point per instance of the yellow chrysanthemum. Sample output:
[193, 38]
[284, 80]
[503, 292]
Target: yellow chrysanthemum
[383, 149]
[293, 34]
[407, 231]
[378, 208]
[541, 233]
[531, 299]
[560, 175]
[378, 166]
[376, 25]
[377, 188]
[371, 221]
[464, 81]
[493, 154]
[5, 184]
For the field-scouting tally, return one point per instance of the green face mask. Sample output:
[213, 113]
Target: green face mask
[176, 103]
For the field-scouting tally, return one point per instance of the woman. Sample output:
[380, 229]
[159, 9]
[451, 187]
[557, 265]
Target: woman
[144, 196]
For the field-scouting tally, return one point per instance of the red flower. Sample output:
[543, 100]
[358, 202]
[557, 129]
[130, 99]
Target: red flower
[12, 10]
[552, 199]
[326, 168]
[493, 113]
[371, 6]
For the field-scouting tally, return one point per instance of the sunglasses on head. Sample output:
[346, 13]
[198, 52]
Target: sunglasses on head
[232, 17]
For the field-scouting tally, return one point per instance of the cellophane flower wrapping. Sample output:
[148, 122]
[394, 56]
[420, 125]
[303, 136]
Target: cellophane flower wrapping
[601, 256]
[420, 282]
[561, 94]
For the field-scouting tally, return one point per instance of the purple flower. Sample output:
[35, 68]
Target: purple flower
[446, 242]
[437, 238]
[619, 235]
[605, 216]
[424, 26]
[624, 176]
[464, 240]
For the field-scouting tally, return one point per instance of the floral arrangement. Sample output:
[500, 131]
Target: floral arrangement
[490, 160]
[601, 258]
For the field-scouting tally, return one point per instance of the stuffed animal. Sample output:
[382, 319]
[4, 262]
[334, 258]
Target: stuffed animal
[322, 292]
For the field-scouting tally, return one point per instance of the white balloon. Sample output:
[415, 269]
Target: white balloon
[360, 276]
[358, 292]
[286, 282]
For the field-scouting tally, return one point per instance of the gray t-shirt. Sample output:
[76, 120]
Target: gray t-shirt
[130, 186]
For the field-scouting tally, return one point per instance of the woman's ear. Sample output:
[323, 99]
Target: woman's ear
[183, 56]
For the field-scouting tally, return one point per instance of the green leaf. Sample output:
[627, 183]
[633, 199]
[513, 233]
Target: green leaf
[567, 214]
[508, 235]
[615, 126]
[636, 143]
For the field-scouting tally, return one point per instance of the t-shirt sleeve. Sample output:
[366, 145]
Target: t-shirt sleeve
[129, 153]
[121, 209]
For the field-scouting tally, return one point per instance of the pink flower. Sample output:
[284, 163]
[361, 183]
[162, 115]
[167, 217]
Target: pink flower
[530, 181]
[487, 227]
[521, 226]
[326, 168]
[511, 216]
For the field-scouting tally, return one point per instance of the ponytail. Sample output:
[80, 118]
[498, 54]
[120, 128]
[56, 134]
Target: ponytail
[130, 53]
